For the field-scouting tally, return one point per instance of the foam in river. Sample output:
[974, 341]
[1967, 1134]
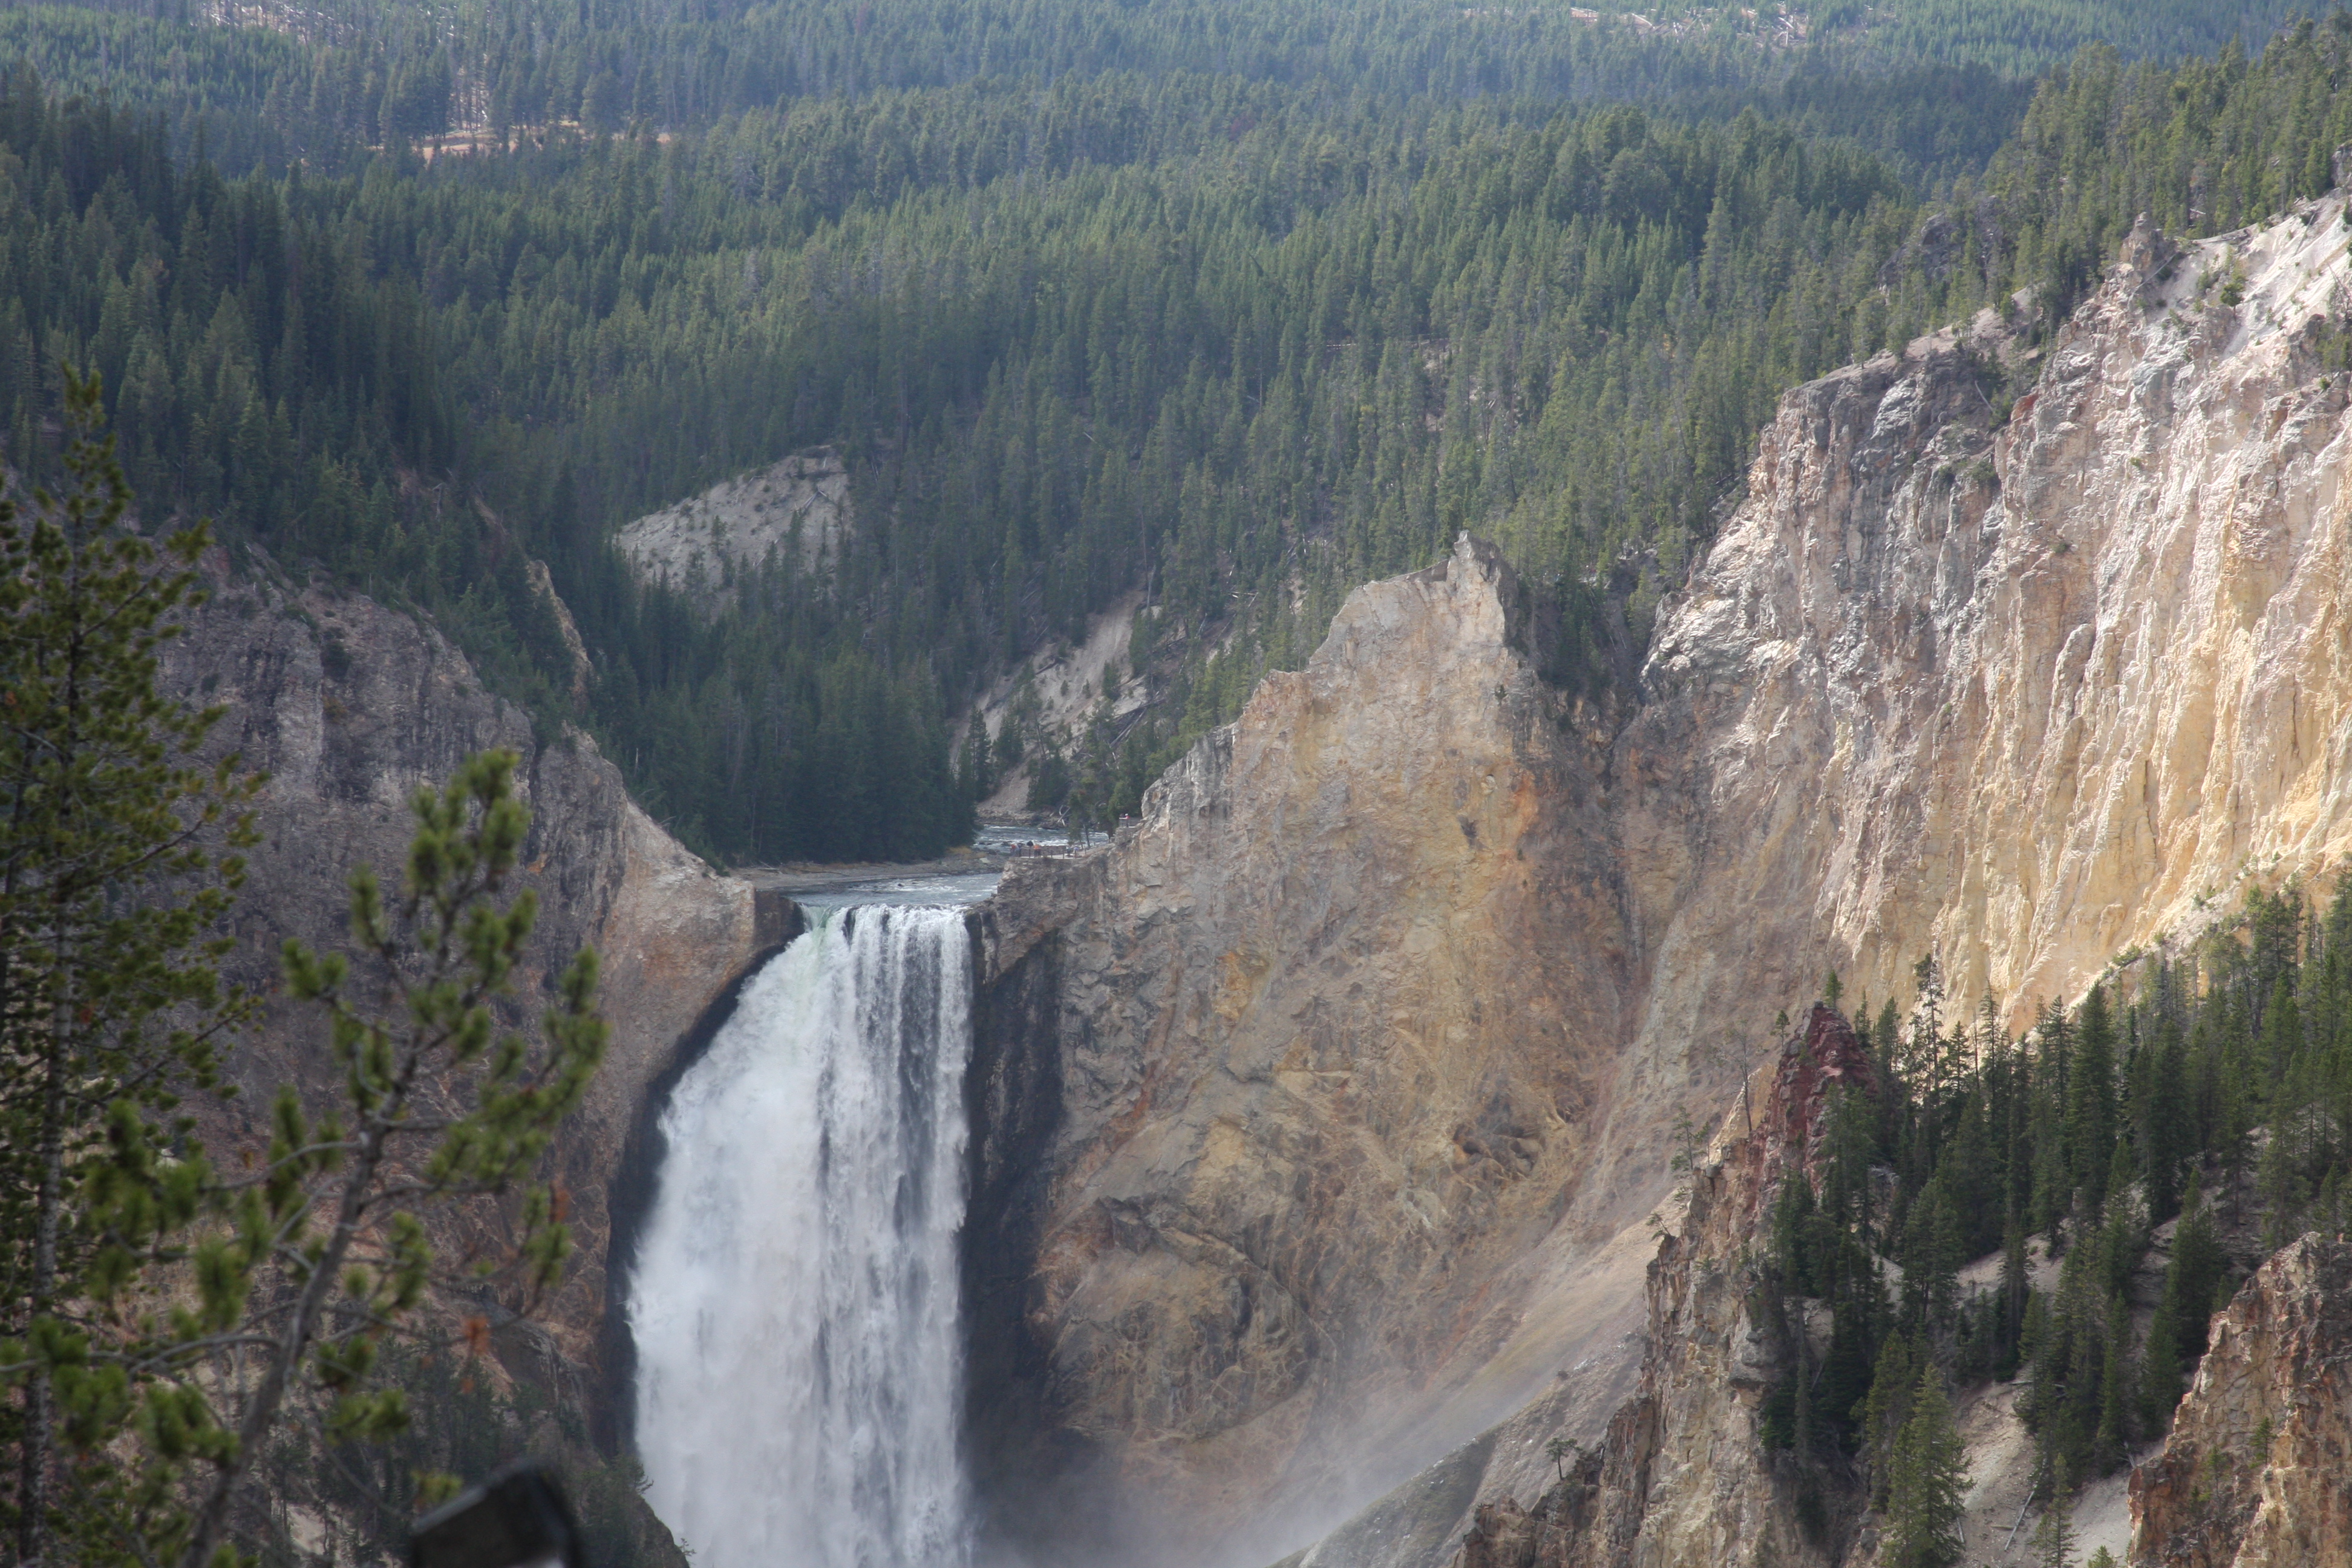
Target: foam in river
[794, 1302]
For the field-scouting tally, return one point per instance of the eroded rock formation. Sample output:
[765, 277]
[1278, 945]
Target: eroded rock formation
[1682, 1475]
[1371, 1036]
[1328, 1028]
[2028, 693]
[2253, 1474]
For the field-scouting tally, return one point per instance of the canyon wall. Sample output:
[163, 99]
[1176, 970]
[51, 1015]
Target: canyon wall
[1682, 1475]
[1349, 1074]
[2253, 1474]
[2029, 694]
[351, 707]
[2033, 693]
[1326, 1032]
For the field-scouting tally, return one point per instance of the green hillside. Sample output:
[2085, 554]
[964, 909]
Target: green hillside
[1231, 307]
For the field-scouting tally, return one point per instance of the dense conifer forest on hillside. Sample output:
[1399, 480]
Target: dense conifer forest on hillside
[1230, 307]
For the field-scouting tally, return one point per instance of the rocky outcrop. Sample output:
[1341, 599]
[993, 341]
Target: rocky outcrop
[2028, 692]
[351, 708]
[583, 668]
[1404, 969]
[795, 512]
[2253, 1474]
[1327, 1029]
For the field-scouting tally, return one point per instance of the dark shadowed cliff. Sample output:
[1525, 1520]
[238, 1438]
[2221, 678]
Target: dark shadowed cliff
[351, 707]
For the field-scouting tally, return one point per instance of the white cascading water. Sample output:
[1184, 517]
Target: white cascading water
[794, 1303]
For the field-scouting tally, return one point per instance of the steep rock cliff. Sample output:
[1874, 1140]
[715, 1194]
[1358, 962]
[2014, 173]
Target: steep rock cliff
[351, 707]
[1326, 1028]
[2025, 687]
[2024, 692]
[1681, 1476]
[2254, 1473]
[2027, 695]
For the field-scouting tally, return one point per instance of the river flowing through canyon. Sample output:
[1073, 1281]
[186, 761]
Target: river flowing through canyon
[795, 1301]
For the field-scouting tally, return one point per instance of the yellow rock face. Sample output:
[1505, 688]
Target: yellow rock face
[2031, 698]
[1332, 1018]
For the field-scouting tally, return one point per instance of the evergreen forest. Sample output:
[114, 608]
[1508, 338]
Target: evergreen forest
[1220, 310]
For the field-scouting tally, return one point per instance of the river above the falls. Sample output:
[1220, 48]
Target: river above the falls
[963, 876]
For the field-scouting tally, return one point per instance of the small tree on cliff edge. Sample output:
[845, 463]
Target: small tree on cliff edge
[1928, 1485]
[303, 1266]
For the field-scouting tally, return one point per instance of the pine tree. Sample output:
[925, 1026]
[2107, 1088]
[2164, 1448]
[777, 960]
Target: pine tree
[118, 859]
[2123, 1235]
[2053, 1536]
[2076, 1431]
[1928, 1490]
[2016, 1288]
[1892, 1090]
[307, 1268]
[975, 778]
[2048, 1125]
[2091, 1100]
[1846, 1183]
[2160, 1380]
[1846, 1374]
[2240, 1095]
[2196, 1271]
[2165, 1119]
[2278, 1178]
[1969, 1170]
[1931, 1258]
[1925, 1063]
[2112, 1435]
[1886, 1410]
[1792, 1217]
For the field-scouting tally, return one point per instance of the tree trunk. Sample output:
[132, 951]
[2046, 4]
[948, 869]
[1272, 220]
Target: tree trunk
[40, 1417]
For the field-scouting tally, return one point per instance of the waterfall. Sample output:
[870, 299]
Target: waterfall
[794, 1301]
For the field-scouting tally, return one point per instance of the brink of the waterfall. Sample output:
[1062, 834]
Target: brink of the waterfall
[795, 1304]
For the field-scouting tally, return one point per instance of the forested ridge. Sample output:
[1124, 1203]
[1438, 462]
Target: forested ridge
[1169, 317]
[330, 78]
